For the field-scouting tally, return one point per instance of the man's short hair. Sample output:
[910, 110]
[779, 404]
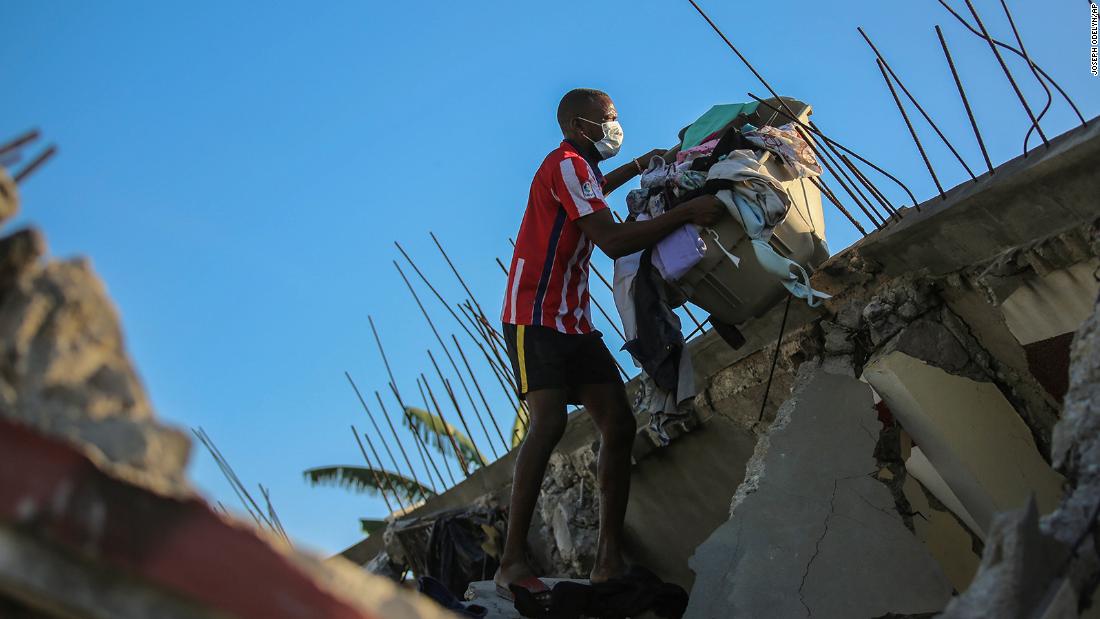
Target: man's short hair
[577, 102]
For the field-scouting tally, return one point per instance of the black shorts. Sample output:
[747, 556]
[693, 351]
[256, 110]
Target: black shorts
[544, 358]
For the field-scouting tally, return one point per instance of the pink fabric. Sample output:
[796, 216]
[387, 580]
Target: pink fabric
[696, 151]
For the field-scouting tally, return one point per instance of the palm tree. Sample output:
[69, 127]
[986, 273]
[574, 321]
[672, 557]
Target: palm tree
[367, 479]
[438, 433]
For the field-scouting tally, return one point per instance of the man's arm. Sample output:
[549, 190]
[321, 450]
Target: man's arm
[622, 239]
[622, 174]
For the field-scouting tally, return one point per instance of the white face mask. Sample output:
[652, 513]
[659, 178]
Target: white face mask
[612, 139]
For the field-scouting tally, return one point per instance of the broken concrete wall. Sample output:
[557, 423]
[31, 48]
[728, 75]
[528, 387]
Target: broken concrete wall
[812, 531]
[1051, 568]
[96, 516]
[64, 367]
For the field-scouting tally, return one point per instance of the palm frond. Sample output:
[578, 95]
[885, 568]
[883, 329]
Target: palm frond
[433, 430]
[365, 479]
[519, 426]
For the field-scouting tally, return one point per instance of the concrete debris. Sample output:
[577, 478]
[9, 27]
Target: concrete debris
[9, 196]
[1018, 568]
[812, 532]
[1032, 568]
[568, 507]
[98, 520]
[65, 370]
[970, 433]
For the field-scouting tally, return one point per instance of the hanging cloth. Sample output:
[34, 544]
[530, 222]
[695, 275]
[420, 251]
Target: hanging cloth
[713, 121]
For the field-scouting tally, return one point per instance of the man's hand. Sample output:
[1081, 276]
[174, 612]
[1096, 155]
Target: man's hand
[705, 210]
[645, 159]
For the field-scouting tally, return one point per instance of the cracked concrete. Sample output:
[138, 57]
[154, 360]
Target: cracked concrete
[812, 532]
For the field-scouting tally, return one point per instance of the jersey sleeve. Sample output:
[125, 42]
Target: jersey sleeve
[577, 188]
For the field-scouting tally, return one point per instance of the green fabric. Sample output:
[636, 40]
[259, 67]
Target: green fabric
[716, 117]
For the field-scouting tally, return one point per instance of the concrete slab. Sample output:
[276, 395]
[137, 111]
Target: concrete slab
[971, 435]
[812, 532]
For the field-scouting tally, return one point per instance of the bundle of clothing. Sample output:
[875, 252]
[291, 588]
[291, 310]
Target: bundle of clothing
[720, 155]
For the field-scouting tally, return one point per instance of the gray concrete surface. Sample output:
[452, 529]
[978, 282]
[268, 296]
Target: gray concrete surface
[812, 532]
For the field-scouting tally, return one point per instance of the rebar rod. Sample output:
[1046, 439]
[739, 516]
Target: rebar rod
[916, 104]
[378, 431]
[1031, 65]
[400, 443]
[1001, 44]
[480, 393]
[1007, 72]
[741, 56]
[876, 193]
[811, 127]
[871, 188]
[421, 445]
[458, 409]
[965, 99]
[495, 364]
[385, 360]
[35, 163]
[455, 271]
[438, 441]
[428, 283]
[788, 109]
[834, 168]
[912, 131]
[19, 141]
[447, 428]
[442, 345]
[230, 476]
[378, 480]
[829, 195]
[272, 515]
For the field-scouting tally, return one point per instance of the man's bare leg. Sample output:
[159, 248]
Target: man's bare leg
[608, 406]
[547, 424]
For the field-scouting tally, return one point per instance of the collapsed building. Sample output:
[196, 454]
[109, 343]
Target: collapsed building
[927, 443]
[922, 444]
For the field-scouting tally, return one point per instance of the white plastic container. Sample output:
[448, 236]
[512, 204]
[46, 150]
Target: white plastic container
[735, 294]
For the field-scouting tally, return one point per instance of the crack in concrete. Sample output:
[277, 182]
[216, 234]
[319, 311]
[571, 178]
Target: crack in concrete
[817, 549]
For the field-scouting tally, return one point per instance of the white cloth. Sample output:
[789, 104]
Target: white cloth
[758, 201]
[788, 144]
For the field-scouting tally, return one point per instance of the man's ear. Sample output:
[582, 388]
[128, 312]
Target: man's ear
[573, 128]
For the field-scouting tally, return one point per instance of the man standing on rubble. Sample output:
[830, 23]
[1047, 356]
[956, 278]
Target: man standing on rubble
[557, 356]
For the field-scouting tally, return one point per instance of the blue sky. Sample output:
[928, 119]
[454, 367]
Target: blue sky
[238, 175]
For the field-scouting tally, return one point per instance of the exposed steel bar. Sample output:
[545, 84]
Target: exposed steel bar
[811, 127]
[917, 104]
[912, 131]
[34, 164]
[1007, 72]
[447, 428]
[965, 100]
[439, 443]
[1001, 44]
[1031, 65]
[378, 479]
[19, 141]
[400, 443]
[421, 446]
[458, 409]
[480, 393]
[370, 415]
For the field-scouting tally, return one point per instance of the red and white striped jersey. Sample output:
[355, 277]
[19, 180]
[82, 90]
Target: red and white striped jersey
[548, 279]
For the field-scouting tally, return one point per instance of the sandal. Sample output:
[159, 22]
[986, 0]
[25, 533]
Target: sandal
[531, 584]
